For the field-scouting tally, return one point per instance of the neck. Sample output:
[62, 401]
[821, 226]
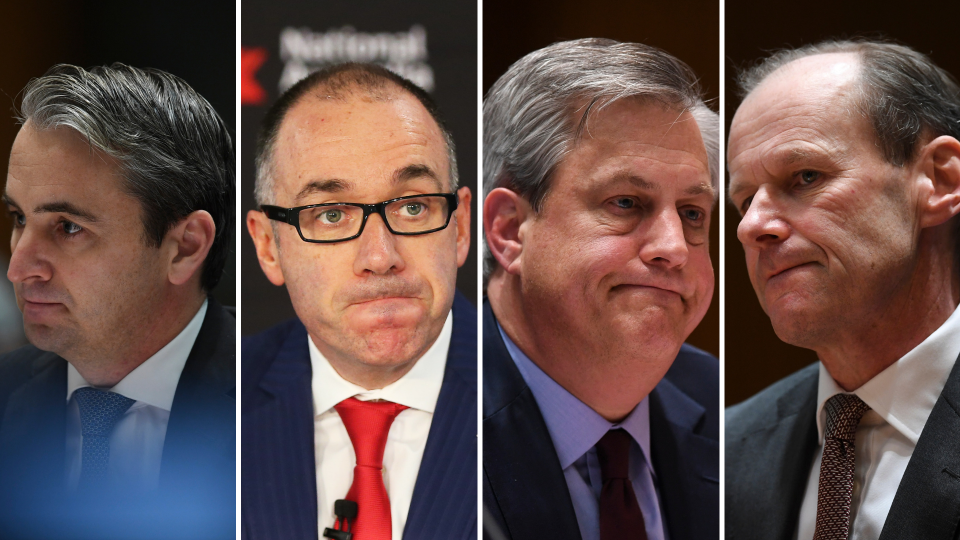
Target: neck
[585, 362]
[105, 369]
[856, 355]
[368, 378]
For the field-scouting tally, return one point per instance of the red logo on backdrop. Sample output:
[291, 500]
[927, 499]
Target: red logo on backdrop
[251, 58]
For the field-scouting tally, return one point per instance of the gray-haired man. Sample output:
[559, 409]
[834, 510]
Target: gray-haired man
[600, 172]
[119, 418]
[845, 165]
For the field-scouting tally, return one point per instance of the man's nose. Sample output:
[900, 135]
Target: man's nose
[762, 224]
[378, 249]
[666, 244]
[29, 260]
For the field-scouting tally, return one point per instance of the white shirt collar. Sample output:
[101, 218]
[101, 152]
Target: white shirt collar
[418, 389]
[904, 394]
[153, 382]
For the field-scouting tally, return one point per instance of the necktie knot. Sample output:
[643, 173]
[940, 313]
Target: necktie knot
[368, 423]
[100, 410]
[844, 412]
[613, 451]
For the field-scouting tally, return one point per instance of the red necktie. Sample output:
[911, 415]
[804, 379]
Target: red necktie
[620, 515]
[368, 423]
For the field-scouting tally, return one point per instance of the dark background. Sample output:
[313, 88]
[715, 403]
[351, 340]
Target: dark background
[754, 357]
[193, 40]
[687, 29]
[451, 29]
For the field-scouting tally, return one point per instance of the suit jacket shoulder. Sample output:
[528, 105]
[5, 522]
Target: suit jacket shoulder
[771, 439]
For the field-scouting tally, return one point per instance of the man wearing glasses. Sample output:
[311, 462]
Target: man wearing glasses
[360, 415]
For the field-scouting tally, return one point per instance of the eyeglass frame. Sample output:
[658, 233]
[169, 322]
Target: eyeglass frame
[291, 216]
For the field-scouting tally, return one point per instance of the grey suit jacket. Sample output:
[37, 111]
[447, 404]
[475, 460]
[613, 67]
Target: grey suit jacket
[771, 443]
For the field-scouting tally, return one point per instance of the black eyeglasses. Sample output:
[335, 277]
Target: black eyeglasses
[338, 222]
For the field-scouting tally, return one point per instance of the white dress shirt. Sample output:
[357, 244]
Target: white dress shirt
[335, 458]
[136, 444]
[901, 398]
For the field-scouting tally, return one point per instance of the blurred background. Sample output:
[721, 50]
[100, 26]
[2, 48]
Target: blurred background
[687, 29]
[431, 42]
[194, 40]
[754, 356]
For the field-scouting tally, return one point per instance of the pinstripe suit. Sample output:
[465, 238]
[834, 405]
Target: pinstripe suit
[278, 471]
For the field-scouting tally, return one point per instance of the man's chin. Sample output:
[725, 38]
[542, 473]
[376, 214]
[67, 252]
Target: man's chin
[49, 338]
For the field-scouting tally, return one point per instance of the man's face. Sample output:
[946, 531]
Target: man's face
[84, 277]
[618, 255]
[828, 226]
[380, 300]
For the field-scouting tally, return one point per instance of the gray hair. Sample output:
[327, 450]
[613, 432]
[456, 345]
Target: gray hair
[528, 114]
[173, 149]
[904, 95]
[340, 82]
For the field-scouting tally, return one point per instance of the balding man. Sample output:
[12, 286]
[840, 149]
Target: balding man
[845, 166]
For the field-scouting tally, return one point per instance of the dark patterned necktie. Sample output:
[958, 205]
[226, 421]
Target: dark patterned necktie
[836, 468]
[368, 423]
[99, 412]
[620, 516]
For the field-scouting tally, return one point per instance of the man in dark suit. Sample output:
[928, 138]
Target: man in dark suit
[845, 166]
[600, 177]
[369, 396]
[119, 419]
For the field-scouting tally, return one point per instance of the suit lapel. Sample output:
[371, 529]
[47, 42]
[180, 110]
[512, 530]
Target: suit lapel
[278, 447]
[444, 504]
[33, 436]
[519, 460]
[927, 503]
[771, 465]
[687, 465]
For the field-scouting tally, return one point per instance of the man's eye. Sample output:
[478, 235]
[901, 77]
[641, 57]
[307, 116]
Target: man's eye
[331, 216]
[745, 205]
[19, 220]
[71, 228]
[692, 214]
[808, 177]
[625, 202]
[413, 209]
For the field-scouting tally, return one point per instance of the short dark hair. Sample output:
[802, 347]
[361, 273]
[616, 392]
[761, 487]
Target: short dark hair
[174, 151]
[901, 91]
[339, 81]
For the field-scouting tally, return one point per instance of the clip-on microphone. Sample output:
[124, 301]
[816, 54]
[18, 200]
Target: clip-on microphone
[346, 512]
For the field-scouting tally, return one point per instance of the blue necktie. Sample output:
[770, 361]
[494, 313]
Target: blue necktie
[99, 412]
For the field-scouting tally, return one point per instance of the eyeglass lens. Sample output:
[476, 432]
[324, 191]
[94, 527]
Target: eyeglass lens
[337, 222]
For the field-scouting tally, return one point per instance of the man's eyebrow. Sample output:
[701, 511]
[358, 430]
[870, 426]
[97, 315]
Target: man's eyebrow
[63, 207]
[9, 201]
[412, 172]
[700, 189]
[322, 186]
[625, 176]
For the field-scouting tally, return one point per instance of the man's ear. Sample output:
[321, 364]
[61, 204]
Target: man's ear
[463, 225]
[191, 240]
[939, 163]
[503, 213]
[261, 231]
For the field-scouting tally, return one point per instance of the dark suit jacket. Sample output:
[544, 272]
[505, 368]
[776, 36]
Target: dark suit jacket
[771, 444]
[196, 497]
[524, 491]
[279, 491]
